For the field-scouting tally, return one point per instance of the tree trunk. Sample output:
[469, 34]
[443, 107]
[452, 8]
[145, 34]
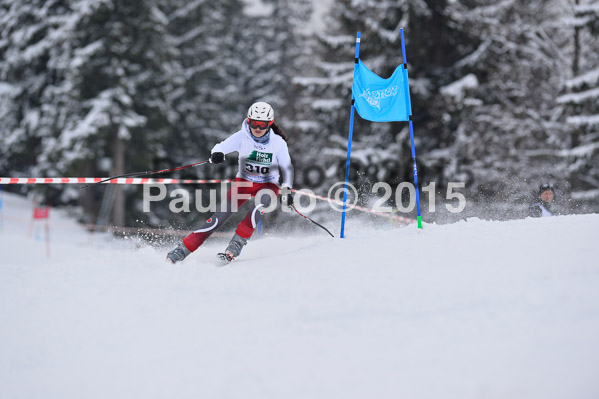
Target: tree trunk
[87, 198]
[576, 60]
[118, 158]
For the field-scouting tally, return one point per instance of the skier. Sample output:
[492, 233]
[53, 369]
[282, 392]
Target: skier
[262, 150]
[541, 206]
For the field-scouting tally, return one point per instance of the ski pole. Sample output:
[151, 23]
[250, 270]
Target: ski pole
[306, 217]
[149, 172]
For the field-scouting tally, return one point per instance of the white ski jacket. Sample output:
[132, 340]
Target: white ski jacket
[259, 163]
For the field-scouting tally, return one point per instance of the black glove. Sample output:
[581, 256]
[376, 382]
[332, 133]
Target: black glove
[217, 157]
[286, 196]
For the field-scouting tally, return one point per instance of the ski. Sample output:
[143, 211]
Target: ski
[223, 259]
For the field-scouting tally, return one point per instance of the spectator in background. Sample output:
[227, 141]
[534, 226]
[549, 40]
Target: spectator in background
[541, 205]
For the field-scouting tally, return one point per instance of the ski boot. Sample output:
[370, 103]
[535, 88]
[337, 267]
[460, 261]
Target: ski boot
[233, 250]
[178, 254]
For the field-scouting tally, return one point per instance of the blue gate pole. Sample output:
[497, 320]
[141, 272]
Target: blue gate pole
[349, 141]
[403, 53]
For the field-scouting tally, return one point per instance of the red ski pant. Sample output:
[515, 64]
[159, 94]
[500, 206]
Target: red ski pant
[241, 190]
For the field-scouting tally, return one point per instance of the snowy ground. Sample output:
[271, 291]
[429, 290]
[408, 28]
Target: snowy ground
[472, 310]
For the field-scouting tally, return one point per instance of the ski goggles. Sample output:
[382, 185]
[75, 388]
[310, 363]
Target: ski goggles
[262, 125]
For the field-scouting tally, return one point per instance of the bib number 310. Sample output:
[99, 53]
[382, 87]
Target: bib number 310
[257, 168]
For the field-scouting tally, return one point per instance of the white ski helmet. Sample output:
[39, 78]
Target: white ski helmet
[261, 111]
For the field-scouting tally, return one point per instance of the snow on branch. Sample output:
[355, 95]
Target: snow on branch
[337, 41]
[590, 78]
[587, 9]
[474, 57]
[581, 151]
[578, 98]
[310, 81]
[458, 88]
[585, 195]
[184, 11]
[583, 120]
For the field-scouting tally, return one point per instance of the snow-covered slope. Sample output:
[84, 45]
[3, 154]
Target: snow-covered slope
[470, 310]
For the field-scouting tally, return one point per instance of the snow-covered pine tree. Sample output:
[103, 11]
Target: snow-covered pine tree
[104, 74]
[209, 104]
[581, 101]
[272, 50]
[500, 110]
[484, 77]
[206, 34]
[288, 41]
[326, 90]
[30, 31]
[233, 55]
[381, 151]
[278, 50]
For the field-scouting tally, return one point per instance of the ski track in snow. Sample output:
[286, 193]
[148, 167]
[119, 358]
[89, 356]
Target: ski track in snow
[470, 310]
